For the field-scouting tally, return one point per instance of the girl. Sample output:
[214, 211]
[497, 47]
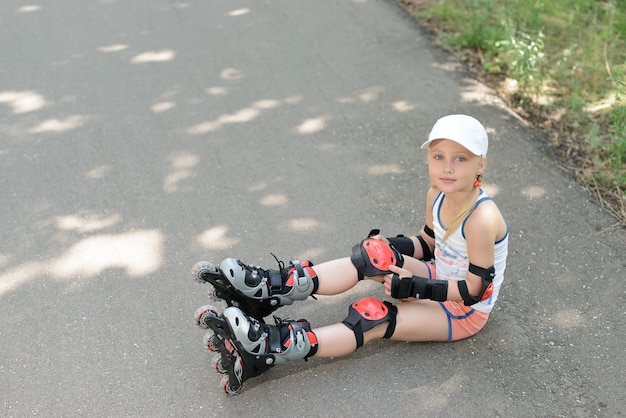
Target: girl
[446, 278]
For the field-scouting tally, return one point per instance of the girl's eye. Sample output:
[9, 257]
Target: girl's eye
[460, 158]
[438, 157]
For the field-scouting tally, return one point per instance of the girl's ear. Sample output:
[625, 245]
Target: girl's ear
[482, 166]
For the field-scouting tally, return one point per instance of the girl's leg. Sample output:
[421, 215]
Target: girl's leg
[335, 276]
[339, 275]
[296, 281]
[421, 320]
[418, 320]
[335, 340]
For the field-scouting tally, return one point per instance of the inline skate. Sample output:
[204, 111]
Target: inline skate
[246, 347]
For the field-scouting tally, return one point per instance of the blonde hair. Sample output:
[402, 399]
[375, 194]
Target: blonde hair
[465, 210]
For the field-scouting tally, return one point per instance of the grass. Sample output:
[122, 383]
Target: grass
[561, 64]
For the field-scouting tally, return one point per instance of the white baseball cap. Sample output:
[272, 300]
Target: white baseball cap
[462, 129]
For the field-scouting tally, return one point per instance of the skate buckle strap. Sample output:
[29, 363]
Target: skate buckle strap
[300, 344]
[276, 281]
[301, 278]
[299, 334]
[276, 277]
[274, 343]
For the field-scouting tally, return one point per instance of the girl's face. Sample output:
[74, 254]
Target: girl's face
[452, 167]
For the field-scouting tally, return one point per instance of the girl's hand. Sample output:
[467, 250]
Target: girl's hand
[403, 273]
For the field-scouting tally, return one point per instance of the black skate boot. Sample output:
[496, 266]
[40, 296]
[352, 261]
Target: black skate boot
[256, 291]
[247, 347]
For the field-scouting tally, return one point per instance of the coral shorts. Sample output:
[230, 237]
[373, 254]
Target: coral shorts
[463, 321]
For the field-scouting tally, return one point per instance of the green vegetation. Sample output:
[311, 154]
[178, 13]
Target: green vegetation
[561, 64]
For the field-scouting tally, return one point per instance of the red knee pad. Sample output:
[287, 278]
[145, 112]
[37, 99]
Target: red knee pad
[366, 313]
[372, 257]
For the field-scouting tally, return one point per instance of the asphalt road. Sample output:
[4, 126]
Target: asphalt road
[138, 137]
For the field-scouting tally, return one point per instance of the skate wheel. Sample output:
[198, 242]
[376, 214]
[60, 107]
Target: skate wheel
[230, 390]
[203, 313]
[209, 341]
[203, 268]
[217, 362]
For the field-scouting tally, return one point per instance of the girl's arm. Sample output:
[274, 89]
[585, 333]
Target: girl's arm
[482, 230]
